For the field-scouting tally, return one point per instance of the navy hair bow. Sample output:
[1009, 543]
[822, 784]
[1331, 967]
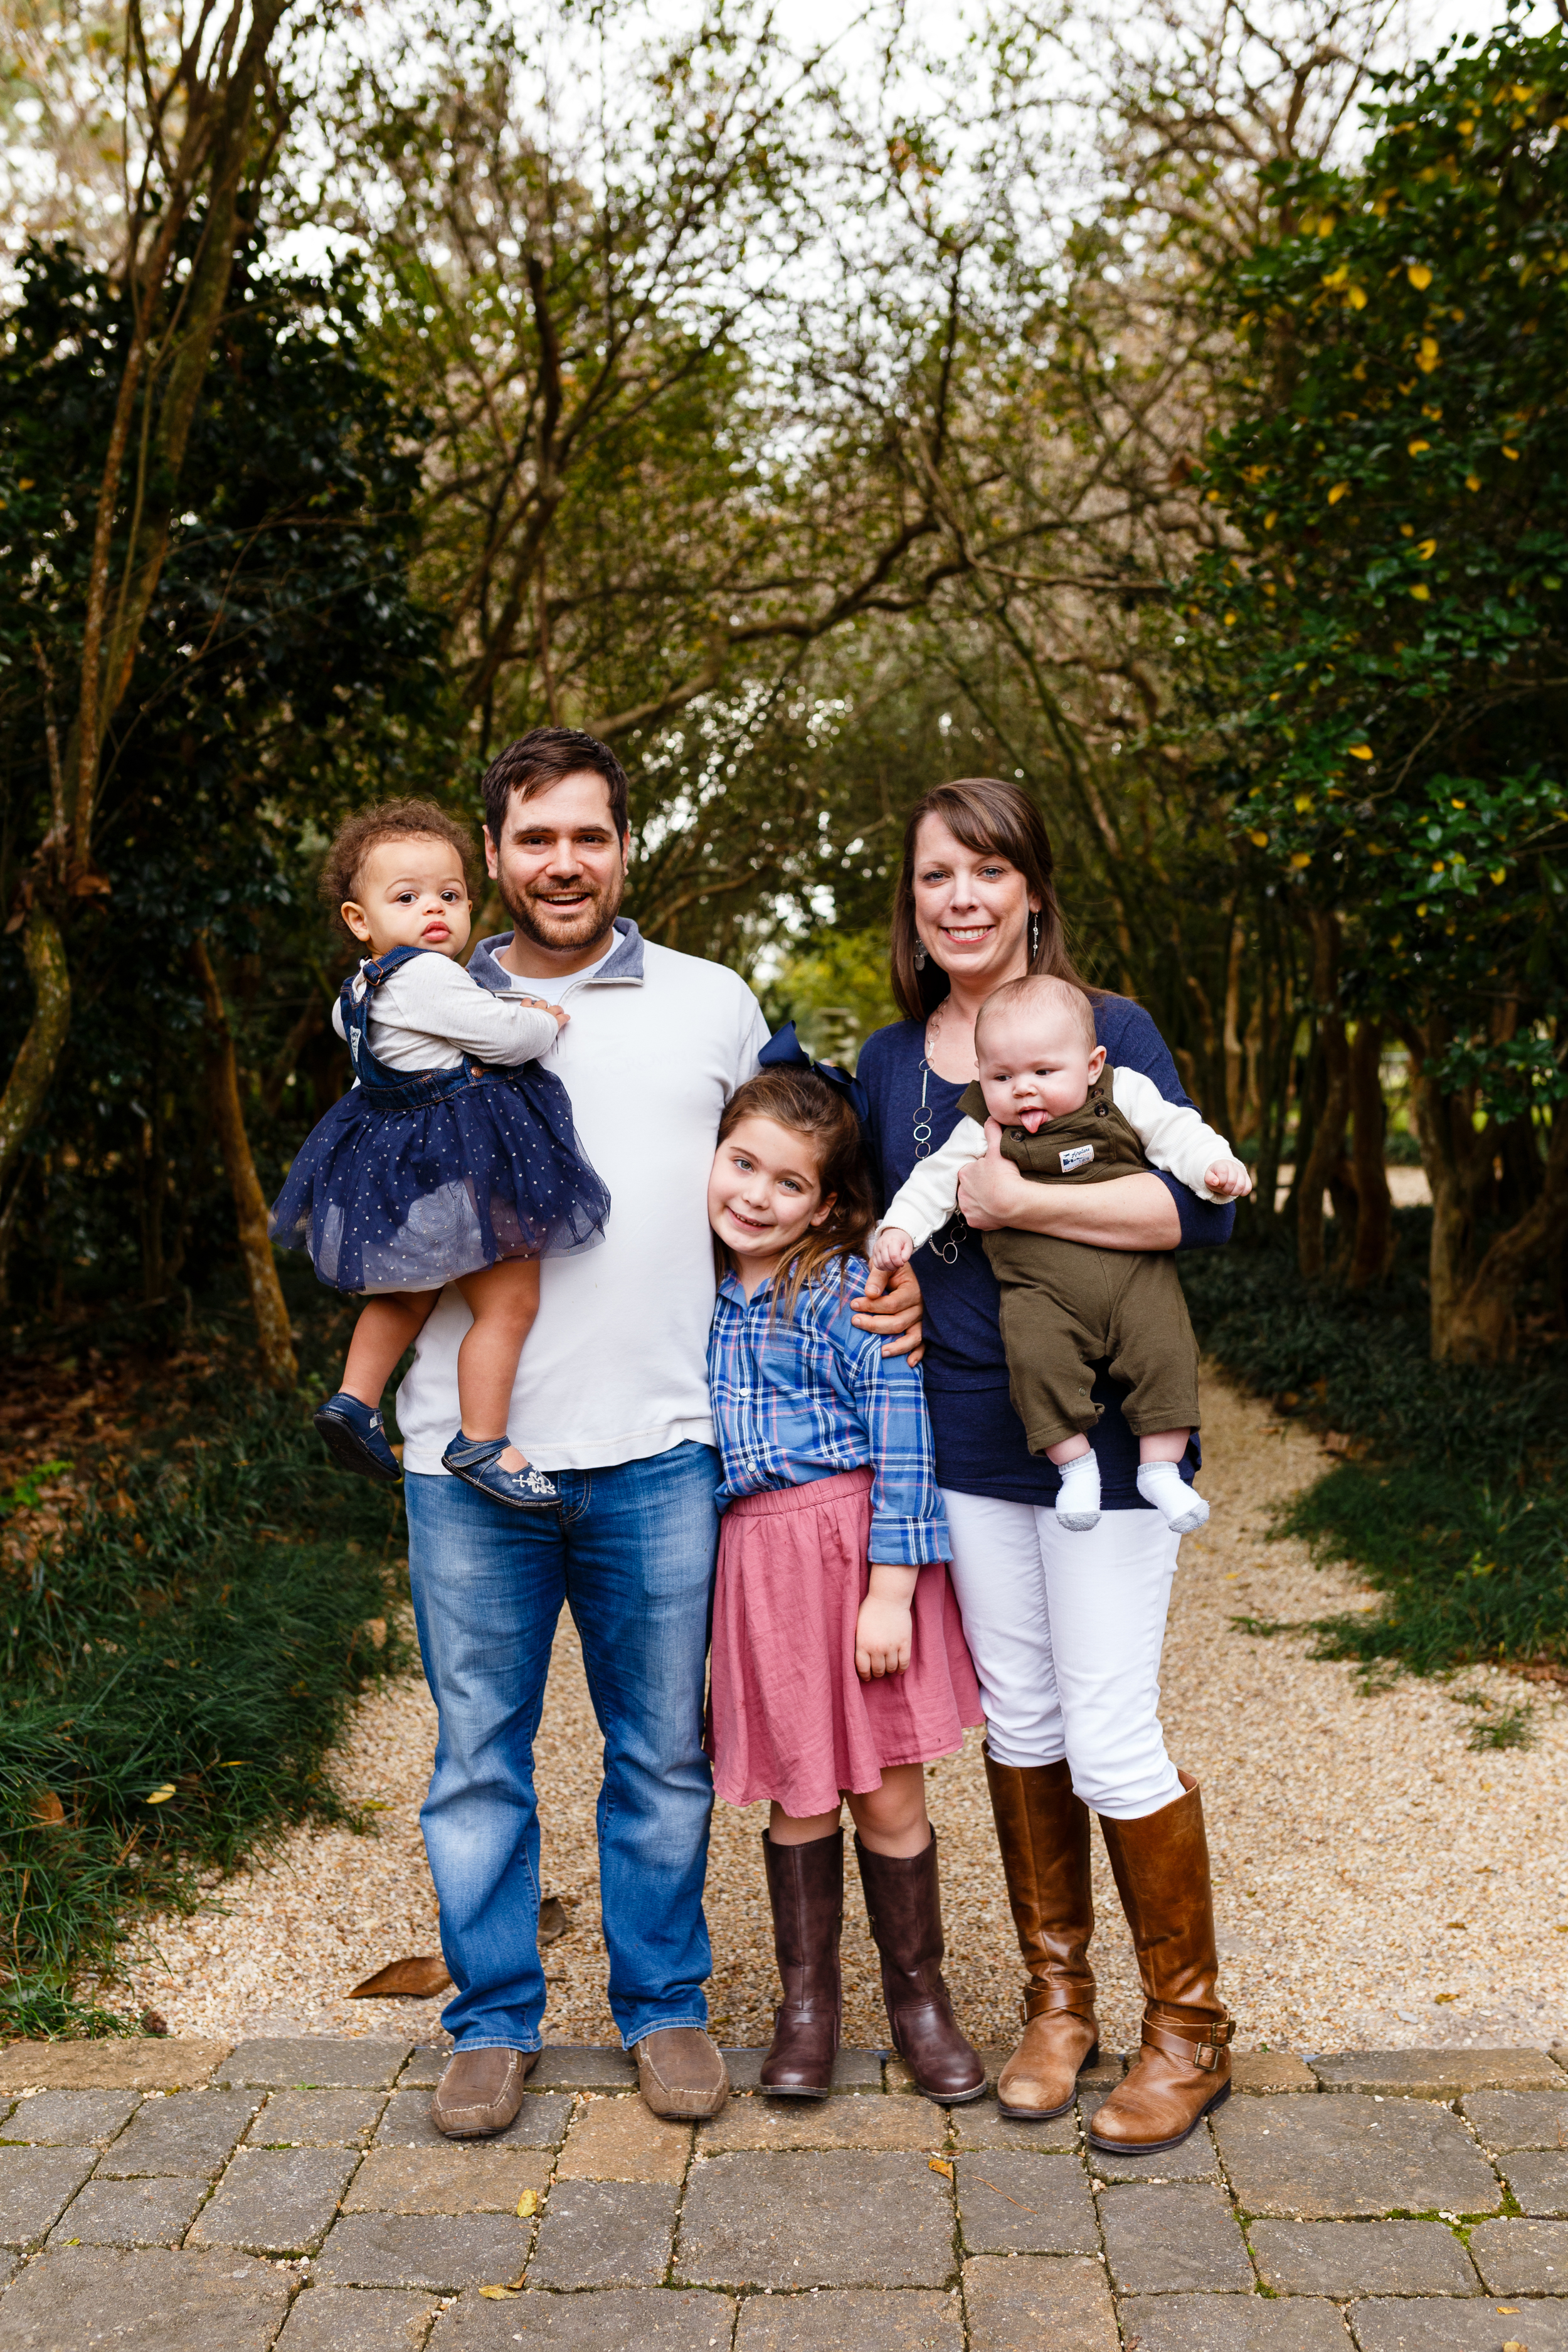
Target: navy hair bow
[786, 1052]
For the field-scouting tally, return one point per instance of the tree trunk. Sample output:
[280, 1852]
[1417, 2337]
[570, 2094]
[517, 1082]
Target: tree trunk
[1481, 1328]
[250, 1207]
[1276, 1065]
[1448, 1155]
[1329, 1134]
[1373, 1252]
[33, 1066]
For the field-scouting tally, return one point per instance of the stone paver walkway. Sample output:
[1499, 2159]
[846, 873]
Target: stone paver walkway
[184, 2197]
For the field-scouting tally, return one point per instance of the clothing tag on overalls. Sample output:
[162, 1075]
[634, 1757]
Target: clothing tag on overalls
[1078, 1157]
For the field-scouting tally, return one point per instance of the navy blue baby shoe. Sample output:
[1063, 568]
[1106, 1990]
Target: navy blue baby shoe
[477, 1462]
[355, 1437]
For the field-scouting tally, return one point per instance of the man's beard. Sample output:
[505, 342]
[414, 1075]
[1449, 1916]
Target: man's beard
[558, 931]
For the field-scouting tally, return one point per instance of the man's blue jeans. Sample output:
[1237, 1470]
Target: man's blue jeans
[631, 1553]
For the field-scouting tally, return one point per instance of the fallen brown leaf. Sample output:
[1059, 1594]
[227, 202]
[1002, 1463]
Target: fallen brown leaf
[47, 1810]
[940, 2164]
[417, 1978]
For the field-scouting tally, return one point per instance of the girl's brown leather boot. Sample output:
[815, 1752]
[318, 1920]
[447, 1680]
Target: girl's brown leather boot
[806, 1888]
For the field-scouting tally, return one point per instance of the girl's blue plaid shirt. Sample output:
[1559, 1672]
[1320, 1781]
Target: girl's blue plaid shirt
[805, 1396]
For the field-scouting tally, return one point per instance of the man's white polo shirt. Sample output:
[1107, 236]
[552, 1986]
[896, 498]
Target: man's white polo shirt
[615, 1367]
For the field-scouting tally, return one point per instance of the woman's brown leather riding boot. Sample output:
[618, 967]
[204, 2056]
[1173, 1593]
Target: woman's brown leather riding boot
[1043, 1831]
[806, 1888]
[1162, 1866]
[904, 1906]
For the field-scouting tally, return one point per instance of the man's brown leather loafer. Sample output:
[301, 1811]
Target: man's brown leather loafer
[481, 2092]
[680, 2074]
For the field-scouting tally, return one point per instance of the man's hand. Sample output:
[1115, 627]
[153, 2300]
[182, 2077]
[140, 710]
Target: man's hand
[991, 1191]
[1229, 1179]
[892, 1247]
[891, 1303]
[884, 1631]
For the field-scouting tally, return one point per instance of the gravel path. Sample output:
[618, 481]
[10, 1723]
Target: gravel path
[1378, 1883]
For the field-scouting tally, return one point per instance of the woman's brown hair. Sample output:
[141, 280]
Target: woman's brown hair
[389, 821]
[808, 1106]
[984, 812]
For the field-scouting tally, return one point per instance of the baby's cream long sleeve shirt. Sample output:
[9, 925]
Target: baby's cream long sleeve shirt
[431, 1014]
[1173, 1137]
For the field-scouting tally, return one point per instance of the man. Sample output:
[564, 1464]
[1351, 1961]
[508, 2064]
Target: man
[611, 1401]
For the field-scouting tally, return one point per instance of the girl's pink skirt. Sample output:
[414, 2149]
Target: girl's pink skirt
[788, 1716]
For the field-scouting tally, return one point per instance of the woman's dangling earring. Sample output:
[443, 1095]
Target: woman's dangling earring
[920, 953]
[1033, 937]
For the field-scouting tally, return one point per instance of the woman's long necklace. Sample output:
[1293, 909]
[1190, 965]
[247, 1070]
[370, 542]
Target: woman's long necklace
[942, 1245]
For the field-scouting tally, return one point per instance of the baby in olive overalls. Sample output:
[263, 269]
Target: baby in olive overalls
[1066, 1307]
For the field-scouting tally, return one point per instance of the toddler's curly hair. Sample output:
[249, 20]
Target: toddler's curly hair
[388, 820]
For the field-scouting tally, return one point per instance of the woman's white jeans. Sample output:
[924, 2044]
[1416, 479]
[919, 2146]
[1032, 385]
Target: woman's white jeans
[1066, 1631]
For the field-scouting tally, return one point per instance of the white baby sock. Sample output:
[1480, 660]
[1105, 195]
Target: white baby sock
[1182, 1509]
[1077, 1502]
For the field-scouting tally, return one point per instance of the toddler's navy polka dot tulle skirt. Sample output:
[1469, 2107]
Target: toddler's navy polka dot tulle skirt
[410, 1199]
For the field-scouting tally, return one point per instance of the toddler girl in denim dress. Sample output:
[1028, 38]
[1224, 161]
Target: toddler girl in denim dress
[454, 1159]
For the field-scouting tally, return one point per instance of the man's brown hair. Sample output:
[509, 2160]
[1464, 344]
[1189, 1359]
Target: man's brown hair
[388, 820]
[543, 757]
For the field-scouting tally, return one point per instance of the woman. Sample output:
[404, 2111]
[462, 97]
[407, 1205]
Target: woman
[1065, 1629]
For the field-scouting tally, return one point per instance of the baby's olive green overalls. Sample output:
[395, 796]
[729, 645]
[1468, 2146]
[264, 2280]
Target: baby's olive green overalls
[1067, 1306]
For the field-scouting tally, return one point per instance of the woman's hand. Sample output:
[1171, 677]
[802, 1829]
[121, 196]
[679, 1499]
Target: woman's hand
[892, 1302]
[1128, 1212]
[884, 1631]
[990, 1191]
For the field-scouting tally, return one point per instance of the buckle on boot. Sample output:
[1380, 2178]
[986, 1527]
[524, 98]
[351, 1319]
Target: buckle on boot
[1205, 2054]
[1202, 2053]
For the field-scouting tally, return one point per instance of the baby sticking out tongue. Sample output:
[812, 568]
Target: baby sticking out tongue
[1034, 1120]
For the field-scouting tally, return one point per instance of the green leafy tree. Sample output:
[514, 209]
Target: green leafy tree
[1392, 618]
[199, 96]
[283, 672]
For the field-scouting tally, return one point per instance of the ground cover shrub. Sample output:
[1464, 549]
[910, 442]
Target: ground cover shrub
[184, 1628]
[1454, 1502]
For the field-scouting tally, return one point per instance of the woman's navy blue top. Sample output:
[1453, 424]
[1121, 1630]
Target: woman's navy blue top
[980, 1444]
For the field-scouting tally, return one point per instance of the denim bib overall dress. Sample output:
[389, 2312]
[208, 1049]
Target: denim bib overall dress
[413, 1180]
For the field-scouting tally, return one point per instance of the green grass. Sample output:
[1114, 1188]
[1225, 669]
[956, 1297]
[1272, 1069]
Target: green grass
[1458, 1512]
[198, 1627]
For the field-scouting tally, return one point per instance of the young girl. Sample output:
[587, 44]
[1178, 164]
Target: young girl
[838, 1665]
[453, 1159]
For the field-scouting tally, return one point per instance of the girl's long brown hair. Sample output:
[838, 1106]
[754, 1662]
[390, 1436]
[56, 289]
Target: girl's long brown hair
[808, 1106]
[984, 812]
